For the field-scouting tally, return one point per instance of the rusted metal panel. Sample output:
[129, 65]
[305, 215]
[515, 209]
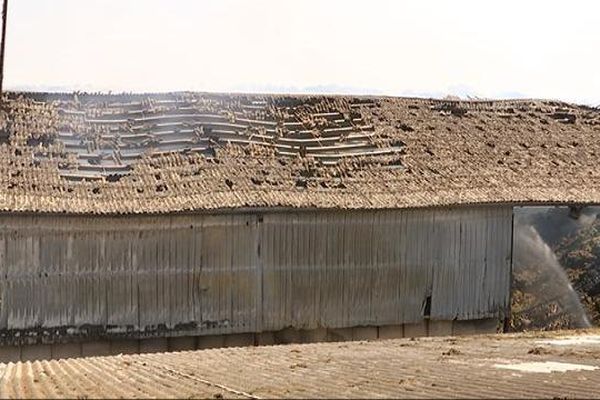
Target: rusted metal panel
[232, 273]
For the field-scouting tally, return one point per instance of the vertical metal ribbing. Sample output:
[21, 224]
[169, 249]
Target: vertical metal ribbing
[313, 269]
[508, 310]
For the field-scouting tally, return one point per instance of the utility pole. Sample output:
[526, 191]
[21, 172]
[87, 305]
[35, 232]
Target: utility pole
[4, 12]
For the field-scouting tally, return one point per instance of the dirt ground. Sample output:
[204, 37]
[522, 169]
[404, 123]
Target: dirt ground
[541, 365]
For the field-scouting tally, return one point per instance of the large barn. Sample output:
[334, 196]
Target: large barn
[171, 221]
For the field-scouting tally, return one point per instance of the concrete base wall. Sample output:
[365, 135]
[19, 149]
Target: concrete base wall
[286, 336]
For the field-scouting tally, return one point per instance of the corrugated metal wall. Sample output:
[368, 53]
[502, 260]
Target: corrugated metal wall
[254, 272]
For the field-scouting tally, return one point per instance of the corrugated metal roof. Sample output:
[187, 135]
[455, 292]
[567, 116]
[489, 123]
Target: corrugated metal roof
[470, 367]
[190, 151]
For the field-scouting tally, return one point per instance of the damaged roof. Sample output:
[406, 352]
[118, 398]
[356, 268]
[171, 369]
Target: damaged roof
[160, 153]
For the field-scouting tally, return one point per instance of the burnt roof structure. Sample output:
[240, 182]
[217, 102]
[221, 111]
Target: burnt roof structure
[163, 153]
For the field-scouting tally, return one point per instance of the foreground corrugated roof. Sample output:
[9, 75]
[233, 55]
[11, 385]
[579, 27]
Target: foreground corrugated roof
[516, 366]
[82, 153]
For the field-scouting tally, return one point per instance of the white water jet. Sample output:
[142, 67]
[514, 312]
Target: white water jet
[552, 283]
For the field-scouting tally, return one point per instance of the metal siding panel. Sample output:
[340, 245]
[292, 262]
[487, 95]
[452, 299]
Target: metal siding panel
[145, 289]
[476, 265]
[161, 273]
[414, 276]
[306, 257]
[299, 266]
[68, 283]
[360, 309]
[316, 265]
[280, 265]
[347, 275]
[212, 243]
[331, 269]
[272, 298]
[307, 254]
[351, 270]
[239, 273]
[133, 274]
[17, 276]
[413, 273]
[454, 288]
[285, 258]
[402, 240]
[244, 288]
[197, 284]
[114, 295]
[468, 264]
[319, 249]
[101, 277]
[385, 286]
[464, 294]
[129, 317]
[179, 271]
[310, 262]
[60, 298]
[169, 268]
[476, 286]
[504, 258]
[485, 290]
[378, 268]
[428, 256]
[294, 264]
[396, 253]
[269, 289]
[279, 301]
[329, 285]
[178, 248]
[444, 271]
[487, 285]
[493, 264]
[12, 284]
[24, 247]
[4, 289]
[225, 274]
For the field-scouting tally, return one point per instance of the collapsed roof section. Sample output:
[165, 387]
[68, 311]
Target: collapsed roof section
[83, 153]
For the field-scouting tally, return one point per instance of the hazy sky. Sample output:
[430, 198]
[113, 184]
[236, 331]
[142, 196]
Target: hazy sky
[514, 48]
